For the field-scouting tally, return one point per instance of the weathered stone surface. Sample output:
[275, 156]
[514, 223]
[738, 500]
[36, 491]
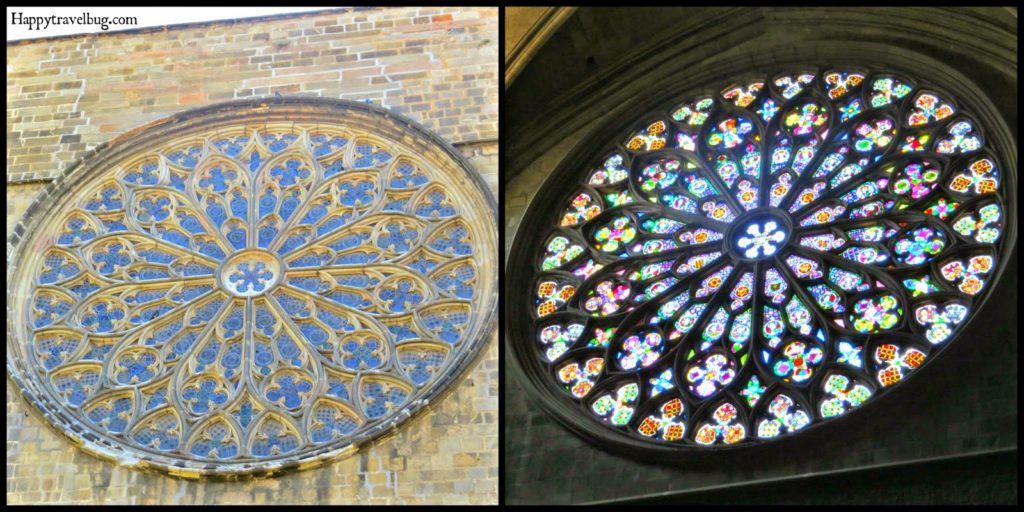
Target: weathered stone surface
[121, 80]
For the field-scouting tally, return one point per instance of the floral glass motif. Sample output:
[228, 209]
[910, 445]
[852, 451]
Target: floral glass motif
[844, 394]
[579, 378]
[893, 362]
[560, 252]
[980, 177]
[797, 361]
[940, 321]
[919, 246]
[668, 425]
[803, 120]
[724, 427]
[782, 417]
[837, 84]
[761, 240]
[967, 274]
[640, 351]
[929, 108]
[873, 135]
[916, 180]
[606, 298]
[650, 139]
[559, 339]
[708, 376]
[812, 218]
[243, 295]
[962, 138]
[616, 407]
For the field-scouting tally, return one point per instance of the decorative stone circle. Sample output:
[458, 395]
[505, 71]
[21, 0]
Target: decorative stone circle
[250, 273]
[251, 287]
[760, 236]
[758, 260]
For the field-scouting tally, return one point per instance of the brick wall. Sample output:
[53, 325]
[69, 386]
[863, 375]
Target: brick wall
[438, 66]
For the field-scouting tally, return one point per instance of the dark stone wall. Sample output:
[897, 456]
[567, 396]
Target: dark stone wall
[605, 58]
[960, 412]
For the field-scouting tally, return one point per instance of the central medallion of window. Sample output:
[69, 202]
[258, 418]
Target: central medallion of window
[250, 273]
[247, 288]
[760, 235]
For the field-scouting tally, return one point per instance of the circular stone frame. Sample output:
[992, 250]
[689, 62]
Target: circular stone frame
[364, 116]
[563, 180]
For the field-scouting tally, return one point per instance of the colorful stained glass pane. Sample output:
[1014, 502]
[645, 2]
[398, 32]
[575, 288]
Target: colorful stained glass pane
[843, 394]
[743, 96]
[782, 416]
[915, 180]
[887, 90]
[611, 172]
[894, 362]
[729, 133]
[804, 119]
[873, 314]
[962, 138]
[639, 351]
[780, 242]
[617, 407]
[983, 224]
[710, 374]
[849, 353]
[560, 251]
[668, 424]
[797, 361]
[928, 108]
[838, 84]
[919, 245]
[967, 274]
[606, 298]
[581, 208]
[939, 322]
[694, 114]
[559, 338]
[724, 426]
[980, 177]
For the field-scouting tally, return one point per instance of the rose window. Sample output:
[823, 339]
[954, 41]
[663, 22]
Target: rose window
[751, 263]
[247, 288]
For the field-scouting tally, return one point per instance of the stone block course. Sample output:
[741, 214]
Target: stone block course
[115, 81]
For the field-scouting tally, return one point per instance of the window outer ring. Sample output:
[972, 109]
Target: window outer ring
[566, 177]
[371, 118]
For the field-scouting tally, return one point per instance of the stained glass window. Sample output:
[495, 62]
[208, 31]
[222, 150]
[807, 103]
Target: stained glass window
[743, 266]
[245, 289]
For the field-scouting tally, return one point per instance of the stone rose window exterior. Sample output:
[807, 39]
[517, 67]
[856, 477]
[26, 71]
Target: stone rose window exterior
[757, 260]
[251, 287]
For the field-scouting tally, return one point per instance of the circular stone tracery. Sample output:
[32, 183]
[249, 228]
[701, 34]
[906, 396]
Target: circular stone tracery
[250, 273]
[243, 289]
[760, 235]
[758, 261]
